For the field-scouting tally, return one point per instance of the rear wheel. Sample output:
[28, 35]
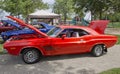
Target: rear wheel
[31, 56]
[97, 50]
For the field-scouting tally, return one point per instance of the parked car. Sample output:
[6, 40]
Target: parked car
[39, 25]
[58, 41]
[8, 25]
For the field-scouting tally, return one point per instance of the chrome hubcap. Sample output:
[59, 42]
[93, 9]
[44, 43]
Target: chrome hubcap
[30, 56]
[98, 50]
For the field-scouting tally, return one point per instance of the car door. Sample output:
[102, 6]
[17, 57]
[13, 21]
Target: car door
[68, 45]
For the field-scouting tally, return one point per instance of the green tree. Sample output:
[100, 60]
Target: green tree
[63, 7]
[32, 5]
[95, 6]
[22, 7]
[115, 5]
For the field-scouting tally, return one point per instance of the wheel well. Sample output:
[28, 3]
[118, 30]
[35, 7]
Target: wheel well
[100, 44]
[31, 48]
[104, 46]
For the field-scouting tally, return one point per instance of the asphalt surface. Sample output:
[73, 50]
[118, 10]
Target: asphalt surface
[67, 64]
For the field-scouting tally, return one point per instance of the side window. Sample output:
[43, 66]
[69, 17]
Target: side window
[82, 33]
[73, 33]
[66, 32]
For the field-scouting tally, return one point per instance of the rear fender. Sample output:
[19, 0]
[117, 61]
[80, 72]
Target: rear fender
[105, 47]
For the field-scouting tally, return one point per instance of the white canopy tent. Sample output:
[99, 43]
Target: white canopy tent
[42, 14]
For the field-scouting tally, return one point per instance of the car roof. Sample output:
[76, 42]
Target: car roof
[70, 26]
[88, 29]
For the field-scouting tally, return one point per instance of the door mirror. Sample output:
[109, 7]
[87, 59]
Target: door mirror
[63, 36]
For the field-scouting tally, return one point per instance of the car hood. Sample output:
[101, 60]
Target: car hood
[12, 23]
[22, 23]
[99, 25]
[17, 32]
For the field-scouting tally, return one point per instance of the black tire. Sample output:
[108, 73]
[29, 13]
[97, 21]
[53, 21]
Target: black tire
[97, 50]
[31, 56]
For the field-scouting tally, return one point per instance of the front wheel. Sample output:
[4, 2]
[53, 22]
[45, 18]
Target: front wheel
[97, 50]
[31, 56]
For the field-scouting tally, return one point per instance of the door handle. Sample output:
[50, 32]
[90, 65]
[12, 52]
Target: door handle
[82, 40]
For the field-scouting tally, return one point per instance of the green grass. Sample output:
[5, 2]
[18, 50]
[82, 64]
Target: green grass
[111, 71]
[1, 48]
[114, 24]
[118, 39]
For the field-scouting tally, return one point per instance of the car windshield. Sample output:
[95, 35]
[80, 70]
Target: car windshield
[54, 32]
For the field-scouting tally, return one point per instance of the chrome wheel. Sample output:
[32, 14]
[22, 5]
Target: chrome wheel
[97, 50]
[30, 56]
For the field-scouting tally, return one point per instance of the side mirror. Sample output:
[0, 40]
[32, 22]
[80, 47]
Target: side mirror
[63, 37]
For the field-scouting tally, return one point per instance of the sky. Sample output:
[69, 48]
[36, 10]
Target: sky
[49, 1]
[45, 1]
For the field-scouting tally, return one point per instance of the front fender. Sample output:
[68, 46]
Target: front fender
[34, 47]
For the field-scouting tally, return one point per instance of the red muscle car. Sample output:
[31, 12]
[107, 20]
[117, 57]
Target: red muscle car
[58, 41]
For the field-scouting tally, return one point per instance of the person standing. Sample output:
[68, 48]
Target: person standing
[75, 20]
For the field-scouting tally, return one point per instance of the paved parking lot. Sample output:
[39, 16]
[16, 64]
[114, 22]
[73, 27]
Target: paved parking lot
[67, 64]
